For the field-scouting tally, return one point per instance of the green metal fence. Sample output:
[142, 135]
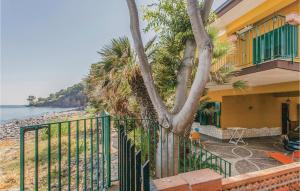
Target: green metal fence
[68, 155]
[134, 175]
[180, 154]
[76, 154]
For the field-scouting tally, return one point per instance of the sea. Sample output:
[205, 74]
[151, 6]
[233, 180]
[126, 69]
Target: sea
[11, 112]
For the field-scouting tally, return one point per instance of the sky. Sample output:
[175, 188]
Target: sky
[48, 45]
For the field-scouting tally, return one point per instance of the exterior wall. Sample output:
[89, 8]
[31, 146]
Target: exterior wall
[251, 111]
[256, 111]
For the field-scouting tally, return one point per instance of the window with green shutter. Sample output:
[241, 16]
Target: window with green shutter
[278, 43]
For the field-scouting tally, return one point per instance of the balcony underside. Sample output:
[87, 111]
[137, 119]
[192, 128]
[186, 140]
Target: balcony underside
[271, 72]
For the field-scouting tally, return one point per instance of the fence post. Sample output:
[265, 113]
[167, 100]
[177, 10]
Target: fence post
[124, 162]
[132, 167]
[138, 168]
[108, 158]
[128, 181]
[146, 176]
[22, 159]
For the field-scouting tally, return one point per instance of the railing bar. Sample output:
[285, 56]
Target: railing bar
[146, 176]
[161, 149]
[178, 154]
[59, 156]
[77, 155]
[190, 153]
[173, 156]
[148, 131]
[167, 150]
[134, 135]
[225, 169]
[229, 169]
[220, 166]
[49, 157]
[154, 146]
[102, 153]
[22, 156]
[36, 160]
[97, 152]
[84, 150]
[69, 156]
[184, 159]
[194, 156]
[91, 153]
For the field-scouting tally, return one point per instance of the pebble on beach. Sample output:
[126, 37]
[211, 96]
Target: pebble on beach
[11, 129]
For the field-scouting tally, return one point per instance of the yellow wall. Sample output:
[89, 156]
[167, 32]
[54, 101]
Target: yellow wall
[255, 111]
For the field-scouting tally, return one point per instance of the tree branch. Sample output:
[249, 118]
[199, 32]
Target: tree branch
[182, 119]
[206, 10]
[143, 61]
[184, 75]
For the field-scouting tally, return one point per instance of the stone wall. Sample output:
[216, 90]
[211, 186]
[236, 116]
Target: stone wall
[222, 133]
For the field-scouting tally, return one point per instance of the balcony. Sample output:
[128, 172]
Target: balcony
[267, 40]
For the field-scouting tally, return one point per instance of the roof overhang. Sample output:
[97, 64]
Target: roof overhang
[233, 10]
[273, 72]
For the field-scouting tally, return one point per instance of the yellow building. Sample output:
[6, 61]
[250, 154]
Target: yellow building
[265, 34]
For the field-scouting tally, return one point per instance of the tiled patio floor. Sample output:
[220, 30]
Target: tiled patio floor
[247, 157]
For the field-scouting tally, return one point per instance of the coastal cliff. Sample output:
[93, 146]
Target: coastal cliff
[73, 96]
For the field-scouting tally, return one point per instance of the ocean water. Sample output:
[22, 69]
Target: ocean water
[10, 112]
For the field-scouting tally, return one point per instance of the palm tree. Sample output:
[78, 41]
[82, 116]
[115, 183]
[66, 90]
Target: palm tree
[115, 83]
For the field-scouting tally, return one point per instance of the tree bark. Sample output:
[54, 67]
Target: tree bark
[184, 75]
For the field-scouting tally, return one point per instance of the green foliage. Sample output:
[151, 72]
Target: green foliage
[106, 85]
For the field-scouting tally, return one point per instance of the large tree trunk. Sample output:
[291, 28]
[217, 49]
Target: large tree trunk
[181, 120]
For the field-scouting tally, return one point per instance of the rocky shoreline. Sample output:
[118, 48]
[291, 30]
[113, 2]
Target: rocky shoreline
[11, 129]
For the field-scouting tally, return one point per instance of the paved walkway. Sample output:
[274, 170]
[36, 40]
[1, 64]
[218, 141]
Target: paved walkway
[247, 157]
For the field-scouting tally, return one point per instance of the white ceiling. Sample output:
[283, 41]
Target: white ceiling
[266, 77]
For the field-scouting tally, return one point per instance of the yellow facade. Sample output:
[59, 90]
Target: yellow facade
[258, 106]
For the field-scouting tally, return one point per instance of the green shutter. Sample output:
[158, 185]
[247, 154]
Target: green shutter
[283, 41]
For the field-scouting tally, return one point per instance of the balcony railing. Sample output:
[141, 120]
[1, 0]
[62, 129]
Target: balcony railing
[269, 39]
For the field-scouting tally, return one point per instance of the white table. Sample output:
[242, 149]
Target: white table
[237, 135]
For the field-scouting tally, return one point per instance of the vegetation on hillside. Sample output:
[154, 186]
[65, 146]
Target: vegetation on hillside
[73, 96]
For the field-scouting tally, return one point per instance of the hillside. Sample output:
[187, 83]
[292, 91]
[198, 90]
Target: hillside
[70, 97]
